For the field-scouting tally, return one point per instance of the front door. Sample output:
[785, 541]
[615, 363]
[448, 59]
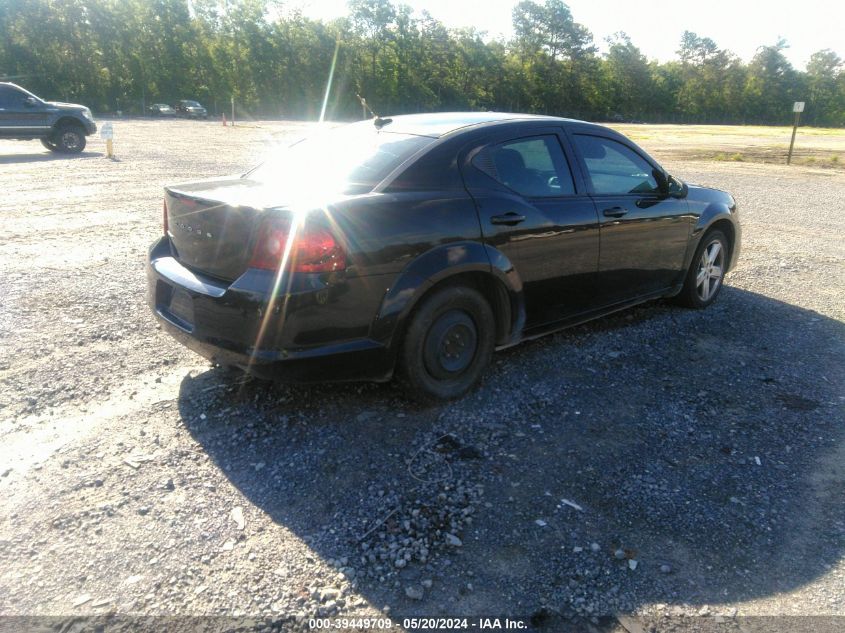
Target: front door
[21, 113]
[644, 232]
[532, 210]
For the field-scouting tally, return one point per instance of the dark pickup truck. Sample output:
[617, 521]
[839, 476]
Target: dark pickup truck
[61, 127]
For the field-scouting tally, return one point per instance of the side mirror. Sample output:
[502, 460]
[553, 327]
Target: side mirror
[30, 102]
[662, 181]
[676, 188]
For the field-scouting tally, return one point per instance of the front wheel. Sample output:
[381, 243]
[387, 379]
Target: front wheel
[70, 139]
[447, 346]
[49, 144]
[706, 272]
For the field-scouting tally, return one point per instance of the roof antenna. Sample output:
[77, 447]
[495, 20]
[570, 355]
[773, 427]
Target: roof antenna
[378, 121]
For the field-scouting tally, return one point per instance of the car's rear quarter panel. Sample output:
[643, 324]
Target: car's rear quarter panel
[386, 234]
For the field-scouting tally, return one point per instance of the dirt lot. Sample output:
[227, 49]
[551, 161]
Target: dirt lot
[814, 147]
[660, 463]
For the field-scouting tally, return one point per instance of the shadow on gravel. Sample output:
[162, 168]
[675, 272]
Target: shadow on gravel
[656, 456]
[44, 156]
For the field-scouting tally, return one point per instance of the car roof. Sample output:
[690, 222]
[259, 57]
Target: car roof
[441, 123]
[14, 85]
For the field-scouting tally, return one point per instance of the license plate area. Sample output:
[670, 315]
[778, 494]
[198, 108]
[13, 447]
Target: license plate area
[182, 307]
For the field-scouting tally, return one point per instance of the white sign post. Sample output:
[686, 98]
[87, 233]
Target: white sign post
[107, 134]
[797, 108]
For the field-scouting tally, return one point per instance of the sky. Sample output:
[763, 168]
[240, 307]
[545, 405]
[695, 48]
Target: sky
[655, 26]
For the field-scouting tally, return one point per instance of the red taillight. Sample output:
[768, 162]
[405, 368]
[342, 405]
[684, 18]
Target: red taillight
[166, 226]
[270, 245]
[315, 250]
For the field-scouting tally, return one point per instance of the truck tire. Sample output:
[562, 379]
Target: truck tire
[49, 144]
[69, 139]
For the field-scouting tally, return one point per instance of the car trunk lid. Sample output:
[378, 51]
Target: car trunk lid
[211, 223]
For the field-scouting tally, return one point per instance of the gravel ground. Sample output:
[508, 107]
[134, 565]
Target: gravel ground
[619, 476]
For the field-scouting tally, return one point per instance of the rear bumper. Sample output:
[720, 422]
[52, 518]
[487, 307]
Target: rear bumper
[238, 324]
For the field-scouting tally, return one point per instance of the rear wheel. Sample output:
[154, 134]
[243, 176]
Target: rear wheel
[70, 139]
[447, 345]
[706, 272]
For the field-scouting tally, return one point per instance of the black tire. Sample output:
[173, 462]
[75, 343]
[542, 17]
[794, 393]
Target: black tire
[447, 345]
[49, 144]
[69, 139]
[693, 294]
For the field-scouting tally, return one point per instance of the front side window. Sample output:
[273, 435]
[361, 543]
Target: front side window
[615, 168]
[11, 98]
[533, 167]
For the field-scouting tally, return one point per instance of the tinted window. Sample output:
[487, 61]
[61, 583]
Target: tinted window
[534, 167]
[614, 167]
[11, 98]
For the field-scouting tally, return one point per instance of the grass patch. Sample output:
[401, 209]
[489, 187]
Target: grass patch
[830, 162]
[734, 158]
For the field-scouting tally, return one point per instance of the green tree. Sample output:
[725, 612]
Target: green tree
[370, 21]
[770, 87]
[825, 79]
[628, 78]
[124, 54]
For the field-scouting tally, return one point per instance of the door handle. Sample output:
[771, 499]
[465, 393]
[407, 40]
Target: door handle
[615, 212]
[508, 219]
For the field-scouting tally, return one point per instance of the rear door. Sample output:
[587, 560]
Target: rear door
[534, 209]
[20, 116]
[644, 232]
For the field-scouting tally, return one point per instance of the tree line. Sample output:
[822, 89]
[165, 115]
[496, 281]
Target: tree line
[121, 54]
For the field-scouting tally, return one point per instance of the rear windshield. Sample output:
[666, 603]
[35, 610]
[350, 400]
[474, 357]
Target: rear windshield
[348, 159]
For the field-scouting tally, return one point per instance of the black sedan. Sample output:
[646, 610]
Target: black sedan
[418, 245]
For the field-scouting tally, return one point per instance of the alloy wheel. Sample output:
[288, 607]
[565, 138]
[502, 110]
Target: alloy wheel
[70, 140]
[710, 271]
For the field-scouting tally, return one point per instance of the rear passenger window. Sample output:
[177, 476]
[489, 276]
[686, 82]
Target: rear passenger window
[533, 167]
[615, 168]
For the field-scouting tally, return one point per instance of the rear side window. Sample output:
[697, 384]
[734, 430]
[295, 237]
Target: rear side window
[615, 168]
[534, 167]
